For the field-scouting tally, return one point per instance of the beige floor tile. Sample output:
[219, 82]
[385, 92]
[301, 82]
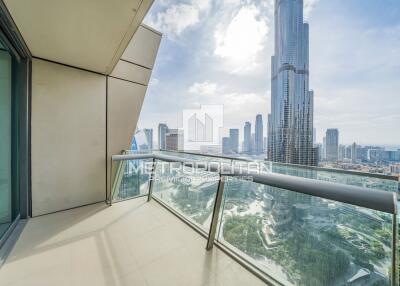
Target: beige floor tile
[132, 243]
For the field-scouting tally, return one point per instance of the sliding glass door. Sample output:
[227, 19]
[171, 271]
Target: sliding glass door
[14, 136]
[6, 141]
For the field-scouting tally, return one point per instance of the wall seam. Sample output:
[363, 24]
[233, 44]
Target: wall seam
[133, 63]
[106, 136]
[66, 65]
[138, 83]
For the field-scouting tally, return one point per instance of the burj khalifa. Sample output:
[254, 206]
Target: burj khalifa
[290, 126]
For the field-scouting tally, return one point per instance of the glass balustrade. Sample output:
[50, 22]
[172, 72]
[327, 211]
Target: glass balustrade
[133, 178]
[303, 240]
[290, 237]
[189, 191]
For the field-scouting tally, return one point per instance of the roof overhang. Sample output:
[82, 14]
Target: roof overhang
[89, 34]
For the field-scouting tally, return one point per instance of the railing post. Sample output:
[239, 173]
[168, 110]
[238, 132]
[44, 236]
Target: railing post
[109, 187]
[215, 215]
[394, 277]
[152, 175]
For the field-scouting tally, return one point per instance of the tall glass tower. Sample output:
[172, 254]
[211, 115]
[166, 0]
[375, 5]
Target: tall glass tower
[259, 138]
[291, 126]
[247, 137]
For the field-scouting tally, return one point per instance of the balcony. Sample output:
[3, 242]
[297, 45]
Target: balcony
[162, 225]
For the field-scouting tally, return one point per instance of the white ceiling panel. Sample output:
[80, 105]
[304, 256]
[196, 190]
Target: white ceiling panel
[90, 34]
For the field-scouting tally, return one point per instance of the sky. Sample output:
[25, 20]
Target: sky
[218, 52]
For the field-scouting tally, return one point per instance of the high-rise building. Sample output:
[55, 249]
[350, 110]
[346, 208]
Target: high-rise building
[149, 138]
[291, 99]
[342, 152]
[314, 136]
[258, 132]
[252, 143]
[162, 131]
[247, 137]
[174, 140]
[226, 145]
[354, 152]
[265, 144]
[315, 155]
[332, 145]
[234, 140]
[269, 139]
[319, 146]
[323, 152]
[348, 152]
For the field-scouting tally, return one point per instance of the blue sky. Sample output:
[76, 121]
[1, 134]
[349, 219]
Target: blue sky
[218, 52]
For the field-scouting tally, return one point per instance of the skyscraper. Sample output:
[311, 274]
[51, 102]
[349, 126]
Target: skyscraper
[149, 138]
[354, 153]
[247, 137]
[269, 138]
[174, 139]
[342, 152]
[234, 140]
[162, 131]
[291, 99]
[259, 137]
[332, 145]
[226, 145]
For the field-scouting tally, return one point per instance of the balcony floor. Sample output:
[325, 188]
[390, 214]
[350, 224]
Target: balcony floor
[132, 243]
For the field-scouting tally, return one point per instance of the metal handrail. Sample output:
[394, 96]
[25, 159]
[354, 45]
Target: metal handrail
[363, 197]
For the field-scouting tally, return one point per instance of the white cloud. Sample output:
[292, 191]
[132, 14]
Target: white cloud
[202, 5]
[237, 100]
[240, 42]
[308, 7]
[178, 17]
[241, 107]
[231, 2]
[154, 81]
[203, 88]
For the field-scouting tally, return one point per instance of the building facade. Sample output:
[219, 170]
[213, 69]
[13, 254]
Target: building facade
[162, 131]
[332, 145]
[234, 140]
[291, 99]
[174, 140]
[354, 153]
[259, 137]
[149, 137]
[226, 145]
[247, 137]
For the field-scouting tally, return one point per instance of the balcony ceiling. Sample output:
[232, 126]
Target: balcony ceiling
[89, 34]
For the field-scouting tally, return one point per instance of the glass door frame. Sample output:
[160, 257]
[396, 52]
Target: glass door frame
[13, 43]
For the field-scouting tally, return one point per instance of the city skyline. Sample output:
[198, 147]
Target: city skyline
[196, 65]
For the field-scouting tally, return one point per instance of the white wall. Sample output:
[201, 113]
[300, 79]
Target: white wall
[126, 90]
[73, 111]
[143, 48]
[124, 104]
[68, 137]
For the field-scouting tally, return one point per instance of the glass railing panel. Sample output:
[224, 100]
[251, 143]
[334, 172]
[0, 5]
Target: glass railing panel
[134, 181]
[188, 191]
[366, 180]
[299, 239]
[354, 178]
